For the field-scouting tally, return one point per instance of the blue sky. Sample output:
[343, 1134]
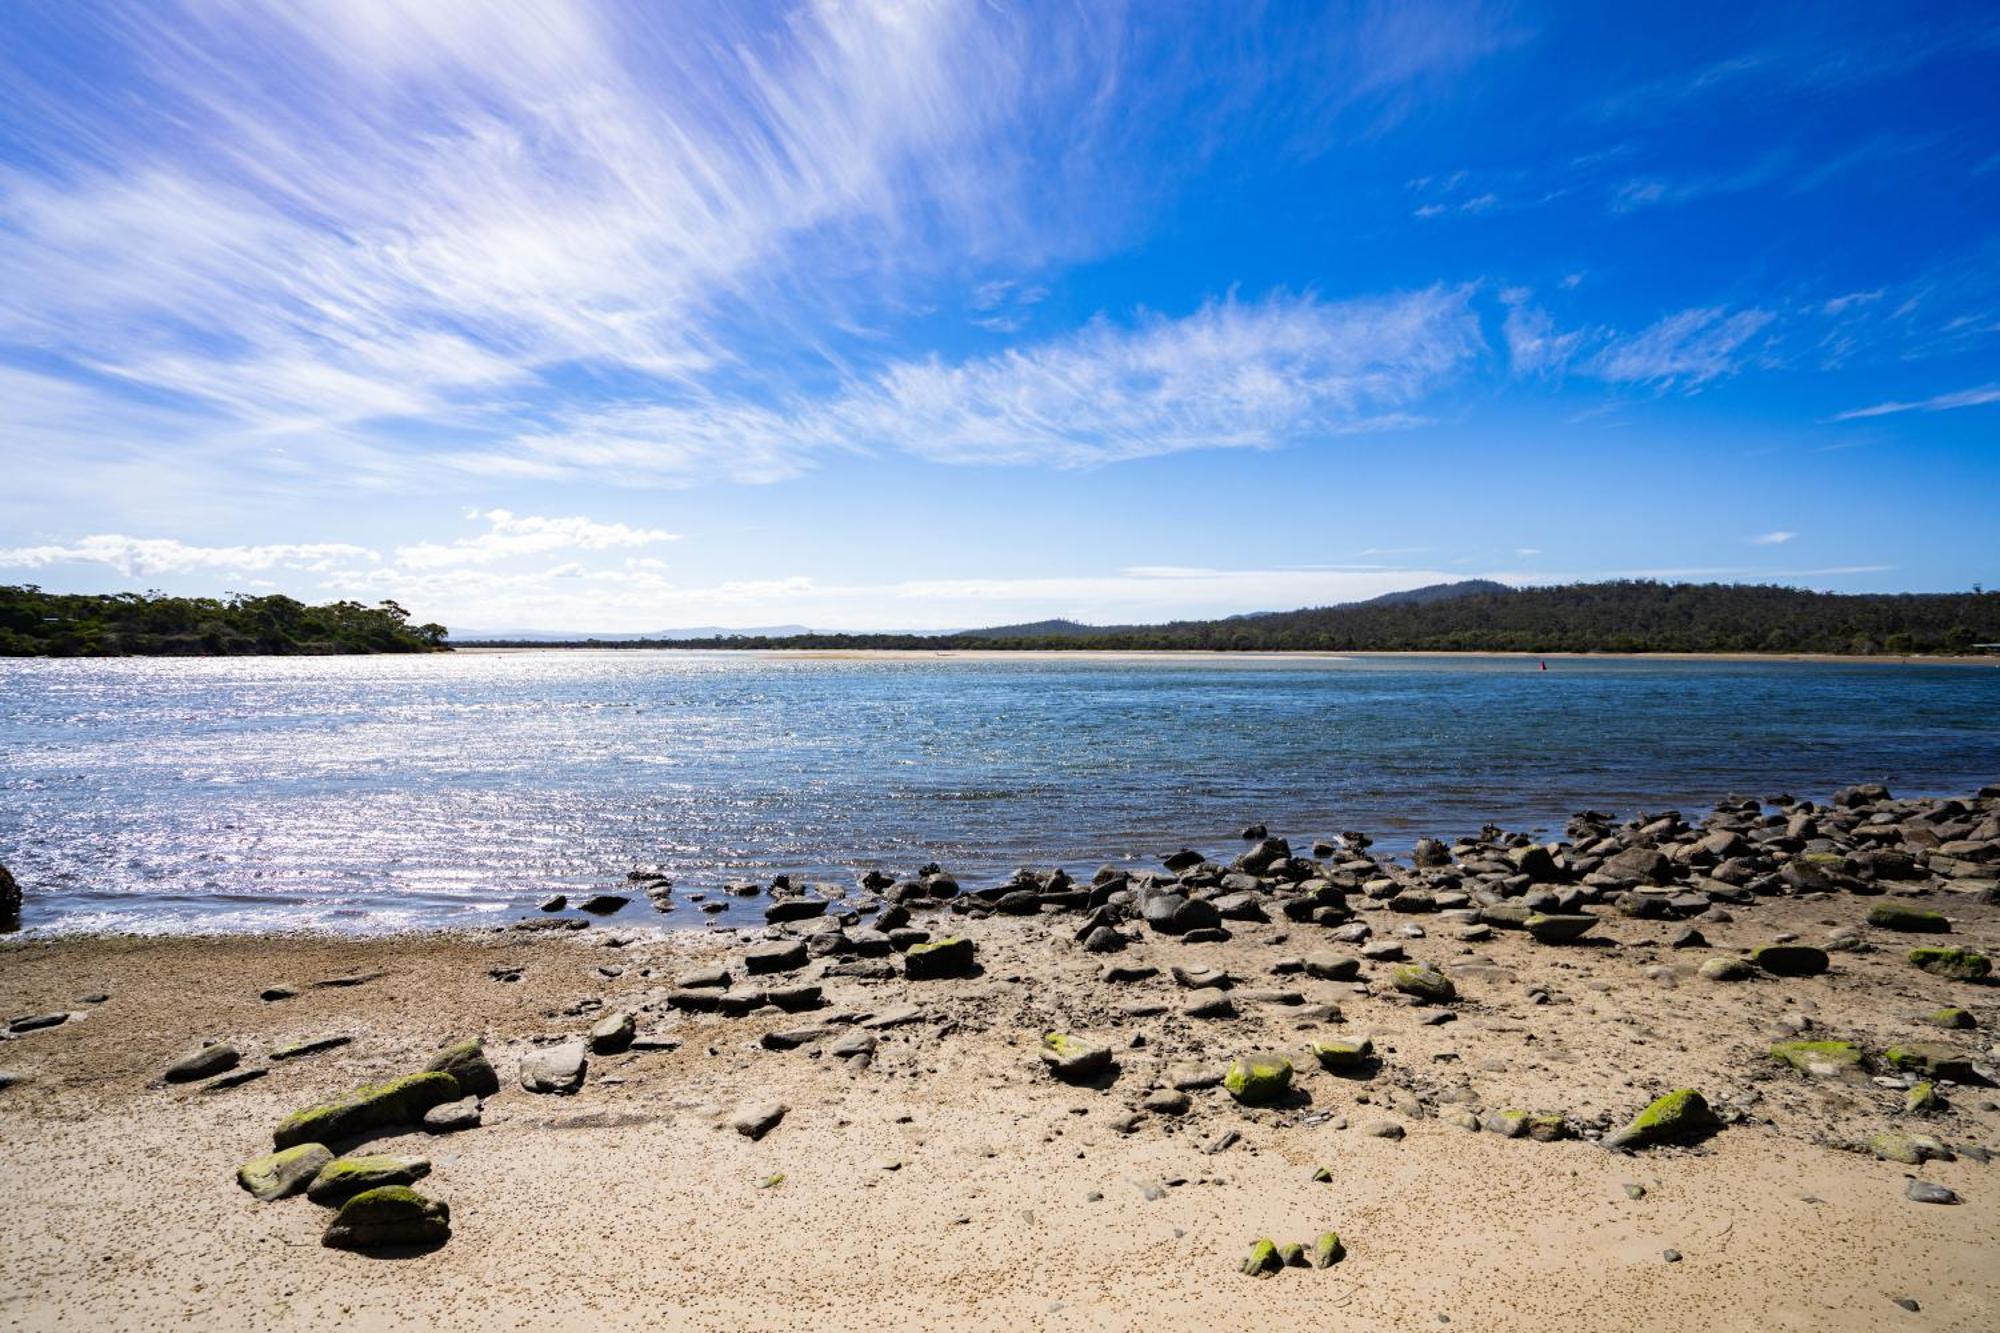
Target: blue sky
[623, 316]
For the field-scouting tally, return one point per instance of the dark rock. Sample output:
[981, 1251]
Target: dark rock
[795, 909]
[613, 1033]
[951, 957]
[766, 959]
[344, 1177]
[466, 1062]
[392, 1216]
[603, 904]
[204, 1062]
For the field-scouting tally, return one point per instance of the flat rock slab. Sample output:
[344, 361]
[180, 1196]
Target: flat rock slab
[753, 1120]
[204, 1062]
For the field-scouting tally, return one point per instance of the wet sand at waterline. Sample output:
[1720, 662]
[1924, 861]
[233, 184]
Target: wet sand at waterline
[953, 1182]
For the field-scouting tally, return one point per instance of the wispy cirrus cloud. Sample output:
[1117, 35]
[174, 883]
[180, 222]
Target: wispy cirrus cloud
[1688, 348]
[1773, 538]
[1980, 396]
[1232, 374]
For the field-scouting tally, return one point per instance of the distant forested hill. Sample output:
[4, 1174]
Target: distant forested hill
[1627, 616]
[34, 623]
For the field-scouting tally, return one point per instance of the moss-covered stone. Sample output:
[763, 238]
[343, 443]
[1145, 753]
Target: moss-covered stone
[1930, 1057]
[1071, 1057]
[1507, 1124]
[1327, 1250]
[1680, 1114]
[1263, 1259]
[466, 1061]
[1559, 927]
[1547, 1128]
[1895, 916]
[1790, 960]
[1821, 1059]
[1909, 1149]
[1254, 1080]
[1292, 1254]
[1727, 969]
[1922, 1099]
[1340, 1053]
[344, 1177]
[1957, 964]
[400, 1101]
[1322, 1176]
[1952, 1018]
[394, 1215]
[1423, 983]
[934, 960]
[279, 1175]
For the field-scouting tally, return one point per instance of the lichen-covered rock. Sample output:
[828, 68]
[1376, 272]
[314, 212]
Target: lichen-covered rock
[1548, 1128]
[1956, 964]
[1727, 969]
[1951, 1018]
[1424, 983]
[394, 1215]
[1292, 1254]
[1263, 1259]
[204, 1062]
[1341, 1053]
[280, 1175]
[1327, 1250]
[400, 1101]
[1790, 960]
[1257, 1079]
[1680, 1114]
[1909, 1149]
[344, 1177]
[1821, 1059]
[1931, 1057]
[1070, 1057]
[935, 960]
[1922, 1099]
[1559, 927]
[1895, 916]
[1507, 1124]
[466, 1062]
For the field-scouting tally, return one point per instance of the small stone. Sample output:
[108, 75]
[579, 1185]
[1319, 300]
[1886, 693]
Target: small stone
[1634, 1190]
[451, 1117]
[1671, 1256]
[753, 1120]
[1327, 1250]
[1727, 969]
[1681, 1114]
[1167, 1101]
[1908, 1303]
[1255, 1080]
[204, 1062]
[1423, 983]
[1383, 1129]
[613, 1033]
[1923, 1191]
[554, 1069]
[1073, 1058]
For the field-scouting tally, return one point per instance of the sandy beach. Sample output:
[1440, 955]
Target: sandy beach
[952, 1181]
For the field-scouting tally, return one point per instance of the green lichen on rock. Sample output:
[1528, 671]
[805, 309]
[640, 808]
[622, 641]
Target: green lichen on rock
[394, 1215]
[1255, 1080]
[1263, 1259]
[1956, 964]
[1423, 983]
[1895, 916]
[1507, 1124]
[1727, 969]
[1680, 1114]
[1073, 1057]
[1292, 1254]
[344, 1177]
[1952, 1018]
[281, 1174]
[1547, 1128]
[1559, 927]
[936, 959]
[1930, 1057]
[1922, 1099]
[1340, 1053]
[1821, 1059]
[1909, 1149]
[1327, 1250]
[400, 1101]
[1322, 1176]
[466, 1061]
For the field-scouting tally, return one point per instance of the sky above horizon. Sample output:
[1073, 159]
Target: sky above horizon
[618, 317]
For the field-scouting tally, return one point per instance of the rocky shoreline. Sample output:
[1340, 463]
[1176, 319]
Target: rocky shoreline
[1309, 1057]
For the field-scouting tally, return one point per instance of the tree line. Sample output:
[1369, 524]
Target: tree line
[34, 623]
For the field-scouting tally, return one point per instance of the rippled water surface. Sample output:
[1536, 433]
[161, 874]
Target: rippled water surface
[371, 793]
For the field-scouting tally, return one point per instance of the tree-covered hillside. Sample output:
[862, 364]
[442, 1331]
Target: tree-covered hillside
[34, 623]
[1627, 616]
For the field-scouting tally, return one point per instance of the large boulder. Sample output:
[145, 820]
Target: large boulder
[281, 1174]
[344, 1177]
[400, 1101]
[394, 1215]
[466, 1062]
[1679, 1115]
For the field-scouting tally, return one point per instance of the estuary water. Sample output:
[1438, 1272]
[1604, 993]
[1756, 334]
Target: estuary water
[379, 793]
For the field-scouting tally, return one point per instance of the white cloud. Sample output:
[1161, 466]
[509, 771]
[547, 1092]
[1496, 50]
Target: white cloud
[137, 556]
[1944, 402]
[510, 535]
[1534, 345]
[1691, 348]
[1232, 374]
[1773, 538]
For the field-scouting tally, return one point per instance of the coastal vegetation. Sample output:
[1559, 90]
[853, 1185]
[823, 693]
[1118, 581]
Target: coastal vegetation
[1622, 616]
[34, 623]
